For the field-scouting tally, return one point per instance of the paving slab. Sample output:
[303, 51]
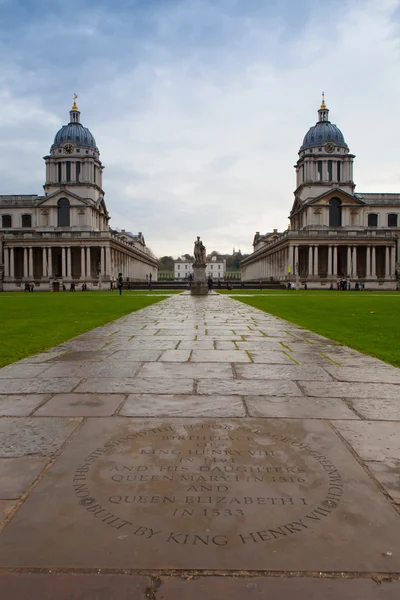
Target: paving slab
[249, 387]
[20, 405]
[138, 385]
[6, 506]
[17, 474]
[377, 409]
[277, 588]
[205, 494]
[289, 372]
[272, 357]
[81, 405]
[36, 586]
[38, 386]
[40, 436]
[186, 369]
[24, 371]
[365, 374]
[378, 444]
[298, 408]
[150, 405]
[337, 389]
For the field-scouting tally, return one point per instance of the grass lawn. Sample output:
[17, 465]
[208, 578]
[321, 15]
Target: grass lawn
[366, 321]
[32, 323]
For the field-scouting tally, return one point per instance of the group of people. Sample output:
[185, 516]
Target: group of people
[344, 285]
[29, 287]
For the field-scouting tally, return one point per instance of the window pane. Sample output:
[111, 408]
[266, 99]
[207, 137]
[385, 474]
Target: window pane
[63, 212]
[26, 221]
[6, 221]
[392, 220]
[372, 220]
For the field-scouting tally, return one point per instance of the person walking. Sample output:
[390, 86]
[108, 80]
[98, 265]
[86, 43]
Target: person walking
[120, 282]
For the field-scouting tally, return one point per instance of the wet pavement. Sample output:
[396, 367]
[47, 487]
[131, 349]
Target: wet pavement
[199, 447]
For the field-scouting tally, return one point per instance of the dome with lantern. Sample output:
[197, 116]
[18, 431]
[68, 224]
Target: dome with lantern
[74, 135]
[323, 132]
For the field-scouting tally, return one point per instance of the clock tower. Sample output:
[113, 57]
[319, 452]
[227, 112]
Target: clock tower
[74, 161]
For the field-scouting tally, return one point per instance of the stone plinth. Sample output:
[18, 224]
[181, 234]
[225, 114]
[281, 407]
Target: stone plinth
[199, 286]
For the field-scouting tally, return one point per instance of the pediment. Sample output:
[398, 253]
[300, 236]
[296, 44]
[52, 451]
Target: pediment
[326, 197]
[52, 199]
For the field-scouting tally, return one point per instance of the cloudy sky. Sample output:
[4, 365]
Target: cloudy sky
[199, 107]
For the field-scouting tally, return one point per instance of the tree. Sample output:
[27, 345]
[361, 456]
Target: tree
[188, 257]
[166, 263]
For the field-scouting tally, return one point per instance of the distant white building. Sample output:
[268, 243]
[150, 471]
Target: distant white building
[216, 267]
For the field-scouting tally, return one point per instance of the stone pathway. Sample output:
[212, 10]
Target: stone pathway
[199, 447]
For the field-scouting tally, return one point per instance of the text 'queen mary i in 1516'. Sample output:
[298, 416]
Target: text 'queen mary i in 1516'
[199, 252]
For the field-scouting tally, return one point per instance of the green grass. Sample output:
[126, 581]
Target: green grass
[366, 321]
[32, 323]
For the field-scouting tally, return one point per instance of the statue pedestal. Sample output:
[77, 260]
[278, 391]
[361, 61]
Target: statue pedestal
[199, 286]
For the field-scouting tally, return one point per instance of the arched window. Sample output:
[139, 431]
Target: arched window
[63, 212]
[372, 220]
[392, 220]
[335, 212]
[6, 221]
[26, 221]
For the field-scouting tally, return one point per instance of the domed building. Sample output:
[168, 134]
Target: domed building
[335, 233]
[64, 236]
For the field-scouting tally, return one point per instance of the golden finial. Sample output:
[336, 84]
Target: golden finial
[74, 106]
[323, 105]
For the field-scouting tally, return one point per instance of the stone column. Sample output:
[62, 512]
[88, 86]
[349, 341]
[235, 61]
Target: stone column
[310, 257]
[83, 273]
[354, 262]
[316, 261]
[69, 271]
[348, 261]
[50, 263]
[88, 263]
[102, 261]
[12, 262]
[30, 261]
[296, 260]
[6, 262]
[335, 260]
[387, 262]
[373, 261]
[393, 262]
[26, 263]
[63, 272]
[329, 270]
[108, 261]
[44, 261]
[368, 261]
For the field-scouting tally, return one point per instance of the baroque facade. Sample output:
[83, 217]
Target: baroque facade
[64, 236]
[334, 231]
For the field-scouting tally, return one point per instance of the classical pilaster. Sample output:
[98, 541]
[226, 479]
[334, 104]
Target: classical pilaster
[310, 261]
[335, 261]
[63, 262]
[69, 272]
[108, 261]
[12, 262]
[30, 262]
[354, 262]
[348, 261]
[316, 261]
[296, 260]
[6, 262]
[368, 261]
[88, 263]
[393, 262]
[387, 262]
[26, 263]
[44, 262]
[102, 261]
[373, 261]
[329, 270]
[50, 263]
[83, 273]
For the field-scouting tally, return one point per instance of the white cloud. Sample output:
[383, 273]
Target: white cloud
[199, 137]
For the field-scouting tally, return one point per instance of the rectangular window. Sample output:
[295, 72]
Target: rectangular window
[78, 171]
[320, 170]
[338, 171]
[59, 172]
[68, 164]
[392, 220]
[330, 170]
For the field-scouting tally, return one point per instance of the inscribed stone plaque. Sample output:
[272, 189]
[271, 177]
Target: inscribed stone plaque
[206, 494]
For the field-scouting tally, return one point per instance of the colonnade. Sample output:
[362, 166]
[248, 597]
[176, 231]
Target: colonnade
[93, 262]
[323, 260]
